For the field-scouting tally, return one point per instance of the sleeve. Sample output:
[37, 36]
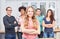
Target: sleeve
[38, 27]
[6, 23]
[15, 24]
[44, 18]
[18, 20]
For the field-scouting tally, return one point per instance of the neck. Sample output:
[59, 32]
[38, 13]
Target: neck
[23, 16]
[48, 17]
[8, 15]
[30, 18]
[38, 15]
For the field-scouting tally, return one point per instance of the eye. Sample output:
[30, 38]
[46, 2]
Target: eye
[28, 11]
[31, 11]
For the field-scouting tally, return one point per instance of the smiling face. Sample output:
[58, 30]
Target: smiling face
[30, 17]
[9, 11]
[30, 12]
[38, 12]
[22, 12]
[49, 13]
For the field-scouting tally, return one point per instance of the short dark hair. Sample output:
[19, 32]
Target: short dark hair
[7, 8]
[22, 7]
[38, 9]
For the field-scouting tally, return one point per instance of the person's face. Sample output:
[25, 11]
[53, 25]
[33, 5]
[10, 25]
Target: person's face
[38, 12]
[9, 11]
[22, 11]
[49, 13]
[30, 12]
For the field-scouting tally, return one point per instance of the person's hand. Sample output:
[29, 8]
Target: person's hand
[33, 32]
[14, 22]
[49, 26]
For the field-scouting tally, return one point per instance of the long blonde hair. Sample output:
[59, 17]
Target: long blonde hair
[33, 18]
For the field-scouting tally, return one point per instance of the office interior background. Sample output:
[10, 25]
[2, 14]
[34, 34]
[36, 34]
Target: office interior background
[43, 4]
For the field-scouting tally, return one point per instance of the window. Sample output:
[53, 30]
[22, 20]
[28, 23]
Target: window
[43, 7]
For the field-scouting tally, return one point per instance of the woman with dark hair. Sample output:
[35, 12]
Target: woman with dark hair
[48, 23]
[22, 11]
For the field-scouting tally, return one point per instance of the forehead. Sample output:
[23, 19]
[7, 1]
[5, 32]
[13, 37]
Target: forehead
[30, 9]
[49, 11]
[38, 10]
[9, 8]
[22, 9]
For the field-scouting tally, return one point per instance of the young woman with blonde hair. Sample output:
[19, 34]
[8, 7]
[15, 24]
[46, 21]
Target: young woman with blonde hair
[30, 26]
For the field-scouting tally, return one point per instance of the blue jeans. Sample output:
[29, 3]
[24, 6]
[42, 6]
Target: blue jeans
[10, 36]
[48, 35]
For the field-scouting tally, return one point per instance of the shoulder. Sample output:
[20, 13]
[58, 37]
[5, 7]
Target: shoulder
[19, 19]
[4, 17]
[13, 16]
[53, 20]
[37, 21]
[44, 18]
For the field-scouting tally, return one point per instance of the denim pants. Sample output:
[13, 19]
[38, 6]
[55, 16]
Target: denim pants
[10, 36]
[48, 34]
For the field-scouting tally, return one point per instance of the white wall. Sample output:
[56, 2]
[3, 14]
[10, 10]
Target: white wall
[15, 4]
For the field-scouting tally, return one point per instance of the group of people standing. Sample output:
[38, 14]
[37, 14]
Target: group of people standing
[29, 24]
